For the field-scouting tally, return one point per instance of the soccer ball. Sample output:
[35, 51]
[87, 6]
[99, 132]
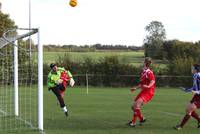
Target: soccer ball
[73, 3]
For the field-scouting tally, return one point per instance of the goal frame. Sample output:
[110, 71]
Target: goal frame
[14, 41]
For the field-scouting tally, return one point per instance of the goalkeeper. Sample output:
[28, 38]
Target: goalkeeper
[195, 102]
[58, 79]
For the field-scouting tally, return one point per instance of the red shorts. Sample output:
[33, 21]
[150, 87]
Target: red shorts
[146, 97]
[62, 91]
[196, 100]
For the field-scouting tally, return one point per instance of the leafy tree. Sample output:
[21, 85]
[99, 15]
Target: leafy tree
[7, 58]
[155, 37]
[178, 49]
[5, 23]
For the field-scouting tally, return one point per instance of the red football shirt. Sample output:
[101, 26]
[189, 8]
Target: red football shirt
[64, 76]
[145, 78]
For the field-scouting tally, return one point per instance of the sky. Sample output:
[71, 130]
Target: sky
[110, 22]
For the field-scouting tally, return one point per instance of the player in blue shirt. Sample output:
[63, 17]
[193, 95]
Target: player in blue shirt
[195, 102]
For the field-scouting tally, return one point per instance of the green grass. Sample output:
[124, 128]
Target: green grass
[106, 110]
[27, 108]
[133, 58]
[125, 57]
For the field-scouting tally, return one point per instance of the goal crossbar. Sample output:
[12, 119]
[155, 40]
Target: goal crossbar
[6, 40]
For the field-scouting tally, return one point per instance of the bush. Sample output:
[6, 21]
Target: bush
[108, 72]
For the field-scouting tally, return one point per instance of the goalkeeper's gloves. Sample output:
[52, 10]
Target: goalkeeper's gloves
[72, 82]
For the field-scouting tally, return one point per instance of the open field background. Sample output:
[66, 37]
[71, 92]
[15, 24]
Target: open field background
[133, 57]
[124, 57]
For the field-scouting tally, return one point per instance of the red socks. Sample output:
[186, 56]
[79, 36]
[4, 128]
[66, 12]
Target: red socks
[134, 118]
[137, 113]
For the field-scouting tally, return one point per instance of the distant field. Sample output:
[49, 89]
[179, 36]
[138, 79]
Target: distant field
[124, 57]
[134, 58]
[107, 110]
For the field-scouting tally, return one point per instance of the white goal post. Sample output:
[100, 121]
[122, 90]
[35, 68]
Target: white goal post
[6, 40]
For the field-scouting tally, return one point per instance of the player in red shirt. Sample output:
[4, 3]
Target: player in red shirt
[147, 85]
[65, 78]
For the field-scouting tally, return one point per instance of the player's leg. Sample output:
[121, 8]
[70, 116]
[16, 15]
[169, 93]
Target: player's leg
[56, 91]
[62, 93]
[189, 110]
[197, 117]
[196, 101]
[136, 111]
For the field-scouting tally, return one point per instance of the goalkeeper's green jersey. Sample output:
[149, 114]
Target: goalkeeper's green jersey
[53, 77]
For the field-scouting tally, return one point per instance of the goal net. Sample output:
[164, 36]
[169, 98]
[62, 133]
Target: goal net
[21, 83]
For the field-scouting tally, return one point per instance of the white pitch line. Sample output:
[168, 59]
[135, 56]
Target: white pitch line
[170, 113]
[3, 112]
[26, 122]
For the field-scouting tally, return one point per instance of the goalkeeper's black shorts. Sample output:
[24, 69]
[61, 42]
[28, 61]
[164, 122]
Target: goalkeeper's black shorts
[59, 87]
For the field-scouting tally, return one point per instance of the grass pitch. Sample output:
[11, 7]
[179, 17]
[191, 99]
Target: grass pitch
[107, 110]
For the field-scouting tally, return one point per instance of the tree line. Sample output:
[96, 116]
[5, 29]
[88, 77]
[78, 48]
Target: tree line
[180, 54]
[157, 47]
[90, 48]
[110, 72]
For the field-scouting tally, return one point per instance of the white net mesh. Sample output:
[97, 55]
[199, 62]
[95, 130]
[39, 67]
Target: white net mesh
[27, 81]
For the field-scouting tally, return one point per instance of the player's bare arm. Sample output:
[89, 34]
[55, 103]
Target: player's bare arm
[136, 87]
[152, 82]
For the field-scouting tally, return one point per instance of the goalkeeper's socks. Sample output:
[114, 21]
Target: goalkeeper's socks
[64, 109]
[185, 119]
